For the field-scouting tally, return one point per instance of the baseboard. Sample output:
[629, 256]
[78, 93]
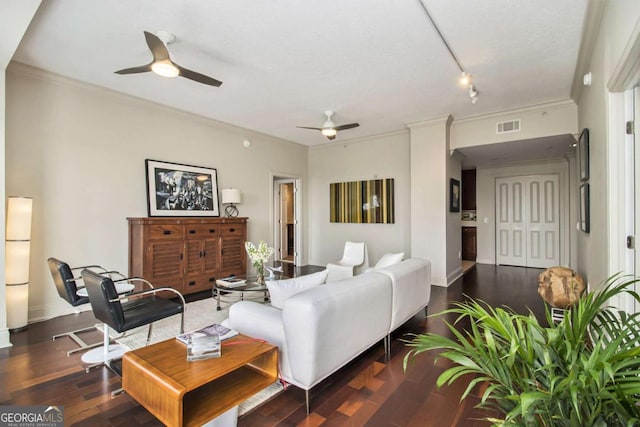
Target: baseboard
[454, 275]
[41, 313]
[485, 261]
[4, 338]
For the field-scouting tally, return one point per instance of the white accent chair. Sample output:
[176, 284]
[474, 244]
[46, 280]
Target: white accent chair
[355, 260]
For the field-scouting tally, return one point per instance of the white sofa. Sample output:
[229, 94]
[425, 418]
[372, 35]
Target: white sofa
[322, 329]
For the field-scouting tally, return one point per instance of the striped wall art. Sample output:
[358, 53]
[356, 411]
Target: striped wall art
[369, 202]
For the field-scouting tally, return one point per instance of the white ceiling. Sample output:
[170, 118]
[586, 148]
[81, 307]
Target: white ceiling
[284, 62]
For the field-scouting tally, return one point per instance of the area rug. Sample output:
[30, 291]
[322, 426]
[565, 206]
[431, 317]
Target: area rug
[197, 315]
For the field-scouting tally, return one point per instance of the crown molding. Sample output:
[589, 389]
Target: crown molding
[590, 30]
[431, 122]
[357, 140]
[547, 106]
[18, 68]
[627, 71]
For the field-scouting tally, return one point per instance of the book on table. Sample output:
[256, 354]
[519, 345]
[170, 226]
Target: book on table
[216, 329]
[230, 282]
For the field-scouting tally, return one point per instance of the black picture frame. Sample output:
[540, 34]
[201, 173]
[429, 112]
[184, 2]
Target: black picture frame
[583, 155]
[584, 208]
[454, 195]
[175, 189]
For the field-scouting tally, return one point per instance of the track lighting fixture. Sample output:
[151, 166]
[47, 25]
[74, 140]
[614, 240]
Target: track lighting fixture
[465, 78]
[473, 94]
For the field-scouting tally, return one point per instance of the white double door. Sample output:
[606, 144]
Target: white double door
[528, 221]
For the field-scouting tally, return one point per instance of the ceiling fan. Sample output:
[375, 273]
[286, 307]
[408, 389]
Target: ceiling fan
[162, 63]
[329, 129]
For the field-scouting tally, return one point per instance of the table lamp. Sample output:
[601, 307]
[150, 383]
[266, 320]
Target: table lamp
[231, 197]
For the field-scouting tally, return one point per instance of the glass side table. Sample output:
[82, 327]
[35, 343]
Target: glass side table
[246, 284]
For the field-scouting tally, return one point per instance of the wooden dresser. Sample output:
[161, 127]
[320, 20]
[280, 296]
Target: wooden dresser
[187, 254]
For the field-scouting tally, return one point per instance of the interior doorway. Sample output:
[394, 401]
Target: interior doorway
[286, 224]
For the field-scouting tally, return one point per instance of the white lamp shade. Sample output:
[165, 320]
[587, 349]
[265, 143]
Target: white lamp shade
[19, 218]
[17, 306]
[231, 195]
[17, 262]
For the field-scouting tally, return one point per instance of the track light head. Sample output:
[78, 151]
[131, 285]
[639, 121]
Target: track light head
[473, 94]
[465, 79]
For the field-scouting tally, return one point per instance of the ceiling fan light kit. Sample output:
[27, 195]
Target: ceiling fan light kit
[329, 128]
[165, 69]
[162, 63]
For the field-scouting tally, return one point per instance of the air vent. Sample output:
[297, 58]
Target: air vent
[508, 126]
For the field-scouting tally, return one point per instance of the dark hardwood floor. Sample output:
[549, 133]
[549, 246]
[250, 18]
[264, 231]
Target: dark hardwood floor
[367, 392]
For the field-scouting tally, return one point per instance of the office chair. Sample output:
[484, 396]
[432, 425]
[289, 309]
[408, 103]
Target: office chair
[69, 290]
[125, 312]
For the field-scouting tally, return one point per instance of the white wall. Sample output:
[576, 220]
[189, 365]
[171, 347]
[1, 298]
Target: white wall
[485, 200]
[537, 121]
[454, 223]
[384, 156]
[79, 151]
[430, 195]
[616, 27]
[15, 16]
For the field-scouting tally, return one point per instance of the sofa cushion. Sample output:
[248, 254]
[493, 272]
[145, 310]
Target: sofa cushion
[388, 260]
[280, 290]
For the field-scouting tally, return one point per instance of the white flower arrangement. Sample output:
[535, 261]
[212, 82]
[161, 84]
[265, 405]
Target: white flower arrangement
[259, 255]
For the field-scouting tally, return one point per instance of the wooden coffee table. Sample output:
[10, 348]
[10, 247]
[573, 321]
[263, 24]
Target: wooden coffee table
[181, 393]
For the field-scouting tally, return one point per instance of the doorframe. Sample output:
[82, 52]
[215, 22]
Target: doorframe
[276, 179]
[487, 229]
[620, 86]
[620, 194]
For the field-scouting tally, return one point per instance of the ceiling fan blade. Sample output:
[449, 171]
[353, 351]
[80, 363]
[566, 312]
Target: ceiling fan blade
[306, 127]
[134, 70]
[349, 126]
[331, 138]
[158, 49]
[197, 77]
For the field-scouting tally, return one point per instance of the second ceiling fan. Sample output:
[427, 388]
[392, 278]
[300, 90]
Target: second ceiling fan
[329, 128]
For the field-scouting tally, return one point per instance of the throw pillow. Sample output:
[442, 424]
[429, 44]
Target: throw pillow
[280, 290]
[388, 260]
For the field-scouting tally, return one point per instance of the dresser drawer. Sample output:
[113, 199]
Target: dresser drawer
[166, 231]
[201, 231]
[228, 230]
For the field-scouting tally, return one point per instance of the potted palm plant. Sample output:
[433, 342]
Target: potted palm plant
[581, 371]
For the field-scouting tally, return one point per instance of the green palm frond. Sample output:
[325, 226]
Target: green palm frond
[582, 371]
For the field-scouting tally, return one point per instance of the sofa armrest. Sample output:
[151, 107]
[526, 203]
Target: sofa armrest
[257, 321]
[263, 322]
[411, 285]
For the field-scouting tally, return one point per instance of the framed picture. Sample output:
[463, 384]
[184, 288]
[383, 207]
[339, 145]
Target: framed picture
[174, 189]
[362, 202]
[583, 154]
[454, 195]
[584, 208]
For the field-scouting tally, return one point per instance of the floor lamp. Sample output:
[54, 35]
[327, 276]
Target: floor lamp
[17, 252]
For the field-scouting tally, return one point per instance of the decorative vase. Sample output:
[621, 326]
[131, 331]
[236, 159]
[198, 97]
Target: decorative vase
[260, 273]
